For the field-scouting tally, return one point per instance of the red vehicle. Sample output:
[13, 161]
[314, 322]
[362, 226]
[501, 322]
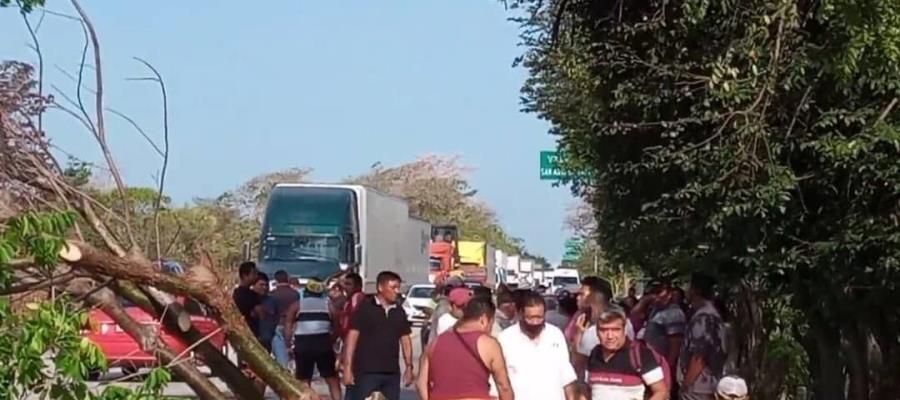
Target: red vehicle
[122, 351]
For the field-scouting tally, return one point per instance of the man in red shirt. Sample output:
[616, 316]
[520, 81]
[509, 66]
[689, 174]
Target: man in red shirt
[352, 285]
[353, 291]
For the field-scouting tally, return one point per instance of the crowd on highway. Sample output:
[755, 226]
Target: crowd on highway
[495, 344]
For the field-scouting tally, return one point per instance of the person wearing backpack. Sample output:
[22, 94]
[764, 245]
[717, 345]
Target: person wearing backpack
[622, 369]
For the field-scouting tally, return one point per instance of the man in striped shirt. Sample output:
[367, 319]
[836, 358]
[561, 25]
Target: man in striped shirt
[619, 369]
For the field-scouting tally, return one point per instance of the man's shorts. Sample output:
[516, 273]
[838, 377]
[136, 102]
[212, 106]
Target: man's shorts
[313, 352]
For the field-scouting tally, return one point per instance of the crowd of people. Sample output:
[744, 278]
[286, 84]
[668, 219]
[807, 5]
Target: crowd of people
[502, 344]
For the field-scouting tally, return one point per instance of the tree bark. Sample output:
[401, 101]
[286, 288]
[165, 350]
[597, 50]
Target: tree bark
[201, 283]
[150, 342]
[886, 338]
[829, 376]
[858, 359]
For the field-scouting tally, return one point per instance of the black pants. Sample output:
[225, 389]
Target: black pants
[366, 384]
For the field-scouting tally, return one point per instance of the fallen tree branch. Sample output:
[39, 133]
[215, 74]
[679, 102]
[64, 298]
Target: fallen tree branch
[151, 343]
[241, 386]
[201, 283]
[40, 285]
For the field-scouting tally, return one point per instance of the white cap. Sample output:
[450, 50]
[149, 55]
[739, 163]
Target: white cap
[732, 387]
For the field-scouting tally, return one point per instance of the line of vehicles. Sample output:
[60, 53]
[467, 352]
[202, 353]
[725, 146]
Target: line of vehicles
[322, 230]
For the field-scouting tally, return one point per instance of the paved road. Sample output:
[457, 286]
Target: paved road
[182, 390]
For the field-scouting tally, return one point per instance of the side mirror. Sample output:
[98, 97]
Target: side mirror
[245, 250]
[357, 254]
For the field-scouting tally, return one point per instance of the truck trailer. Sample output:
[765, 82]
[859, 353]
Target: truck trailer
[321, 230]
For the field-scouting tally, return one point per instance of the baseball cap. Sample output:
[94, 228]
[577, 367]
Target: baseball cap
[459, 296]
[731, 387]
[315, 286]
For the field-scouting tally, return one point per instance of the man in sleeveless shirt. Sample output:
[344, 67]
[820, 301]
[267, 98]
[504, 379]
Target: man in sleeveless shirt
[310, 322]
[461, 361]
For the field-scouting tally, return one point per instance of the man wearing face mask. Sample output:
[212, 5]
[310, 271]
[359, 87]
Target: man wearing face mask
[536, 354]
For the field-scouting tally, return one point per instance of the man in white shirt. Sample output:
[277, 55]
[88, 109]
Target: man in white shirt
[537, 356]
[458, 298]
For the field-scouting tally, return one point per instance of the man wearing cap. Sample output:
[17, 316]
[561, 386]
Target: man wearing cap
[458, 298]
[310, 320]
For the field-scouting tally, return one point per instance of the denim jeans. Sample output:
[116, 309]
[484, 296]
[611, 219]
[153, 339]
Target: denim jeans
[279, 348]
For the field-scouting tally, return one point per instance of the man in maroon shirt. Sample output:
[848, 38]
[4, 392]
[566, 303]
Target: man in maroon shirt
[352, 285]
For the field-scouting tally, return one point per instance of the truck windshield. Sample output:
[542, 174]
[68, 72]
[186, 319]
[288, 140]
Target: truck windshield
[307, 222]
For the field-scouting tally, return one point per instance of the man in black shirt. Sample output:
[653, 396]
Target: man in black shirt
[378, 330]
[248, 302]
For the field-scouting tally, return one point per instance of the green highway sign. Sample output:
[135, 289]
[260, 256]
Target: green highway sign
[550, 170]
[572, 249]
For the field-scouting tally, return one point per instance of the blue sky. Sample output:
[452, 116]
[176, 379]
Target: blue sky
[334, 86]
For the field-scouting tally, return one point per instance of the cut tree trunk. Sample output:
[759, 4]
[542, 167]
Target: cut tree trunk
[173, 315]
[202, 284]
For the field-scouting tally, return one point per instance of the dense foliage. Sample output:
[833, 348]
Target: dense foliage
[43, 351]
[755, 140]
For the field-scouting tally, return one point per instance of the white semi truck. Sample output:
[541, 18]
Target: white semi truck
[319, 230]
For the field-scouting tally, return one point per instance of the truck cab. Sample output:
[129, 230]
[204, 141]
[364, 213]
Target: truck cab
[443, 251]
[321, 230]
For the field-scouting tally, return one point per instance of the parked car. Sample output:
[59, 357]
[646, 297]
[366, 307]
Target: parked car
[122, 351]
[418, 303]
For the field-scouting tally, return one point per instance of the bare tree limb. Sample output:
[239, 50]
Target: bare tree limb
[100, 132]
[165, 164]
[40, 56]
[39, 285]
[139, 129]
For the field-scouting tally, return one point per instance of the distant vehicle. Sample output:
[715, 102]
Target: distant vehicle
[442, 251]
[418, 303]
[565, 280]
[320, 230]
[476, 259]
[122, 351]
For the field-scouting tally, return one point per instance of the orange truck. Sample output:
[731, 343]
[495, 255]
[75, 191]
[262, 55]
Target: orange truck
[443, 252]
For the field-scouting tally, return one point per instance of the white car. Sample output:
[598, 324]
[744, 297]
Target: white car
[418, 303]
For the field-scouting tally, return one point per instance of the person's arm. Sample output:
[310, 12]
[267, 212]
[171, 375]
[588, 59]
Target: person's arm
[582, 348]
[694, 369]
[349, 350]
[567, 377]
[259, 310]
[674, 349]
[580, 363]
[406, 349]
[422, 381]
[654, 377]
[493, 355]
[659, 391]
[698, 345]
[290, 319]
